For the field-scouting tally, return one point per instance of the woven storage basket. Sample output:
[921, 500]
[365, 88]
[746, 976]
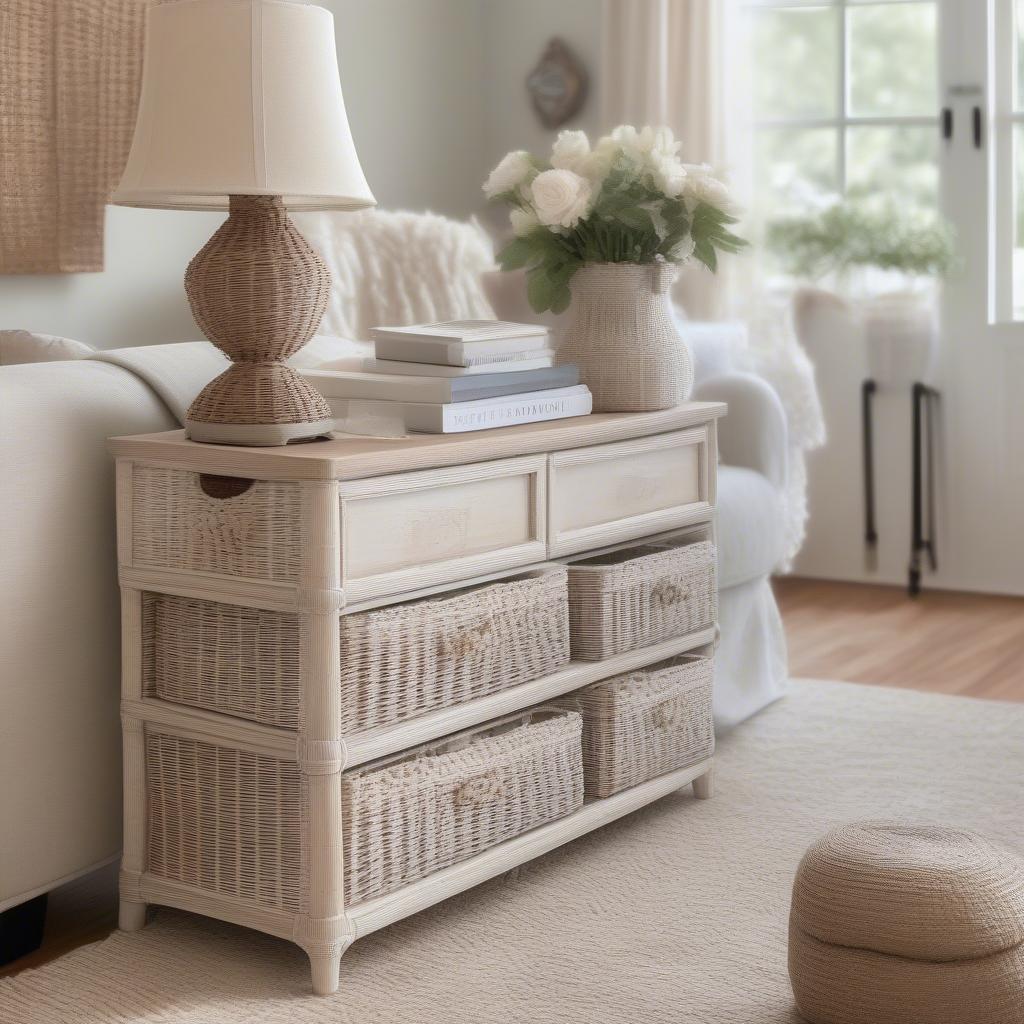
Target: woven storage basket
[639, 596]
[646, 723]
[226, 820]
[444, 802]
[215, 524]
[397, 662]
[232, 822]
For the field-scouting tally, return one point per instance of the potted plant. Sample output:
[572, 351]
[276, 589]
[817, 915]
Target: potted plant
[851, 239]
[608, 226]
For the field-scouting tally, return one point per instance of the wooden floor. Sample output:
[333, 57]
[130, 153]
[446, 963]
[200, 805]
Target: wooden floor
[968, 644]
[951, 643]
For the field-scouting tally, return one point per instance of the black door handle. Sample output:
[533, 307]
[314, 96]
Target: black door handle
[976, 119]
[947, 122]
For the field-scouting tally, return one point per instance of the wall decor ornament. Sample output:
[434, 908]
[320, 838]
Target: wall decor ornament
[557, 85]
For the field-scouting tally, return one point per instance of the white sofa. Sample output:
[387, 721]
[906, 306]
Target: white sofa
[60, 806]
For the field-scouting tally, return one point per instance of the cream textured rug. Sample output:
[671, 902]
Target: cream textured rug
[675, 915]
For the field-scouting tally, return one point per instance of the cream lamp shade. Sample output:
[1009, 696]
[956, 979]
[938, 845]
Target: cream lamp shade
[241, 97]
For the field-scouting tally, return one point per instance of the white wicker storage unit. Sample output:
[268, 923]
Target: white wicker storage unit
[241, 747]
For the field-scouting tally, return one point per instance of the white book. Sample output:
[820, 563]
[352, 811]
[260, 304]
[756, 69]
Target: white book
[467, 331]
[393, 387]
[457, 418]
[494, 364]
[456, 353]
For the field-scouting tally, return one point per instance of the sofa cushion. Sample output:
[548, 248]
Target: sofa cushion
[178, 372]
[751, 527]
[18, 347]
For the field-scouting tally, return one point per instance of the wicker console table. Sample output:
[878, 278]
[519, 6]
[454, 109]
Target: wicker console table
[239, 568]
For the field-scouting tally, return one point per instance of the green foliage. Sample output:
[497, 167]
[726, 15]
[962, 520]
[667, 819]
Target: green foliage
[855, 234]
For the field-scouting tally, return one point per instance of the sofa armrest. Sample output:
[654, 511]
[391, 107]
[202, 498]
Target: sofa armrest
[754, 434]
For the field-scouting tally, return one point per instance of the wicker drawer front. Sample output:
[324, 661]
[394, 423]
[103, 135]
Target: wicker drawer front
[210, 524]
[226, 820]
[415, 530]
[397, 662]
[615, 492]
[408, 817]
[640, 596]
[643, 724]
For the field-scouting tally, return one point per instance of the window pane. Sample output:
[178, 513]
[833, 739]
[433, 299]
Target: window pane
[895, 163]
[892, 59]
[795, 169]
[797, 62]
[1018, 214]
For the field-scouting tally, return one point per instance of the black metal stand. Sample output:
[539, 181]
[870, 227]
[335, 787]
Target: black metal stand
[867, 393]
[922, 527]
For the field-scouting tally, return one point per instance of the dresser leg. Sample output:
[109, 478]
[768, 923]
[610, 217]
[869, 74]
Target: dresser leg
[704, 785]
[325, 962]
[132, 916]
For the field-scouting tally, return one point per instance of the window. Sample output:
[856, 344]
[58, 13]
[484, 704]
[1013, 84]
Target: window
[845, 101]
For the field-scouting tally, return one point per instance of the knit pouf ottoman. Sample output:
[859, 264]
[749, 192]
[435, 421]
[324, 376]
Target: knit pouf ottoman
[907, 924]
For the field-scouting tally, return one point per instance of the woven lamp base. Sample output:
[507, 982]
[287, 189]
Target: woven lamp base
[258, 290]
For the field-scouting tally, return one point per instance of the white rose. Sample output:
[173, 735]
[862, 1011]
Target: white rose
[523, 222]
[667, 173]
[513, 169]
[663, 142]
[635, 143]
[701, 186]
[570, 151]
[560, 197]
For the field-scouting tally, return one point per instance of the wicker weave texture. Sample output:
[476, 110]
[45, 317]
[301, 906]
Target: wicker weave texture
[643, 724]
[227, 820]
[177, 525]
[258, 290]
[445, 802]
[623, 338]
[640, 596]
[235, 823]
[893, 921]
[69, 88]
[396, 662]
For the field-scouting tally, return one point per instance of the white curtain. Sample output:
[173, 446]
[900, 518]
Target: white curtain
[670, 62]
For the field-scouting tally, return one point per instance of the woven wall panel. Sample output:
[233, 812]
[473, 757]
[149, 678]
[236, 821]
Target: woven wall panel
[69, 83]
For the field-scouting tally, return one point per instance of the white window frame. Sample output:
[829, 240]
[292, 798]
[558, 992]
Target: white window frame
[843, 120]
[1002, 89]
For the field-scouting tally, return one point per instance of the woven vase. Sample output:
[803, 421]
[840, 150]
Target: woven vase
[623, 339]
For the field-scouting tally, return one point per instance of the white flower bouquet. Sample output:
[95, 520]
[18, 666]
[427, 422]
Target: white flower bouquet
[628, 199]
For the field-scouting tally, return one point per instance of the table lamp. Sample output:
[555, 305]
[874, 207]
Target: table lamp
[241, 110]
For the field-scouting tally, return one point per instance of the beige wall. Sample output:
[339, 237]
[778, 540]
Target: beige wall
[435, 94]
[516, 33]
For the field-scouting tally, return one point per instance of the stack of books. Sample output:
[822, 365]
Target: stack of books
[451, 377]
